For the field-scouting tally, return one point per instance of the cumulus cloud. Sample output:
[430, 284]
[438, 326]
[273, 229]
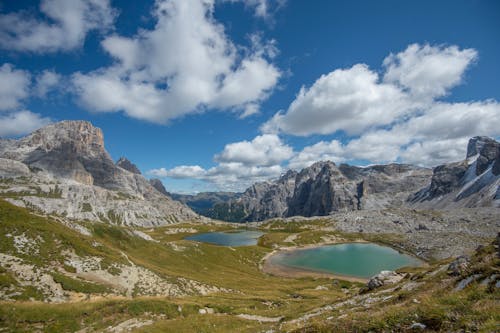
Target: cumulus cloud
[14, 86]
[185, 64]
[351, 100]
[19, 123]
[356, 99]
[396, 117]
[15, 89]
[45, 82]
[437, 136]
[392, 117]
[263, 150]
[240, 164]
[428, 71]
[64, 27]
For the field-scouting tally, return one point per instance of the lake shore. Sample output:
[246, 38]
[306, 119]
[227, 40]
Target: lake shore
[294, 272]
[269, 267]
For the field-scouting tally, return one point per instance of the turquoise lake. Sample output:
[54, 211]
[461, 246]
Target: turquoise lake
[361, 260]
[234, 238]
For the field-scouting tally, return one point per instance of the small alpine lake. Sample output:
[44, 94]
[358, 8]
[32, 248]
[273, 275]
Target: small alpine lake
[357, 260]
[232, 238]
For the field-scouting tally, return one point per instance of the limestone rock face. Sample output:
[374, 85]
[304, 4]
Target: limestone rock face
[11, 168]
[158, 185]
[127, 165]
[71, 156]
[321, 189]
[268, 199]
[473, 182]
[324, 188]
[68, 149]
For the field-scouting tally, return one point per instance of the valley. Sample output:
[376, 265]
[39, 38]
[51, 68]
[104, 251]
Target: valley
[89, 245]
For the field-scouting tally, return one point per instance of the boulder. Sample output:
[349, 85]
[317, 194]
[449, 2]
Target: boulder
[459, 266]
[384, 278]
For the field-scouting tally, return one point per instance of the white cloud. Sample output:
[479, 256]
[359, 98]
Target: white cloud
[64, 27]
[397, 118]
[14, 86]
[240, 164]
[262, 8]
[352, 100]
[180, 172]
[437, 136]
[263, 150]
[185, 64]
[355, 100]
[428, 71]
[45, 82]
[321, 151]
[20, 123]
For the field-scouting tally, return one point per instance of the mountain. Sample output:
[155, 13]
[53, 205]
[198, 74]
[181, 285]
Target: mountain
[127, 165]
[203, 202]
[158, 185]
[325, 188]
[473, 182]
[64, 168]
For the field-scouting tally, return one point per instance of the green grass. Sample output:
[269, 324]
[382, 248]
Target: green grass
[80, 286]
[236, 269]
[51, 238]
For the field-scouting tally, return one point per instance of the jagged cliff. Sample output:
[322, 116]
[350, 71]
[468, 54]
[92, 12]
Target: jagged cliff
[65, 169]
[473, 182]
[324, 188]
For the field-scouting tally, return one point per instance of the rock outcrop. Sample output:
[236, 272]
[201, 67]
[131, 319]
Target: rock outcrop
[325, 188]
[473, 182]
[158, 185]
[384, 278]
[63, 168]
[127, 165]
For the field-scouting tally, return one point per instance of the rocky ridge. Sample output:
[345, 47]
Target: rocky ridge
[473, 182]
[64, 169]
[325, 188]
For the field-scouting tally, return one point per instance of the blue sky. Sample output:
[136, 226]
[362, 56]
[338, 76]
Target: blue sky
[215, 95]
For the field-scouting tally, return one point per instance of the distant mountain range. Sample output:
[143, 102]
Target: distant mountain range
[64, 169]
[325, 188]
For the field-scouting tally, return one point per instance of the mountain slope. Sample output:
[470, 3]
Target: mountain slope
[324, 188]
[473, 182]
[64, 169]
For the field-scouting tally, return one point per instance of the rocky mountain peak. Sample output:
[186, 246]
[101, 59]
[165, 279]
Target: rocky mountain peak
[488, 150]
[158, 185]
[124, 163]
[71, 154]
[81, 134]
[472, 182]
[478, 143]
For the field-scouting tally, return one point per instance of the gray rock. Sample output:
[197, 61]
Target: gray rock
[158, 185]
[459, 266]
[384, 278]
[86, 183]
[465, 282]
[323, 189]
[127, 165]
[418, 326]
[474, 182]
